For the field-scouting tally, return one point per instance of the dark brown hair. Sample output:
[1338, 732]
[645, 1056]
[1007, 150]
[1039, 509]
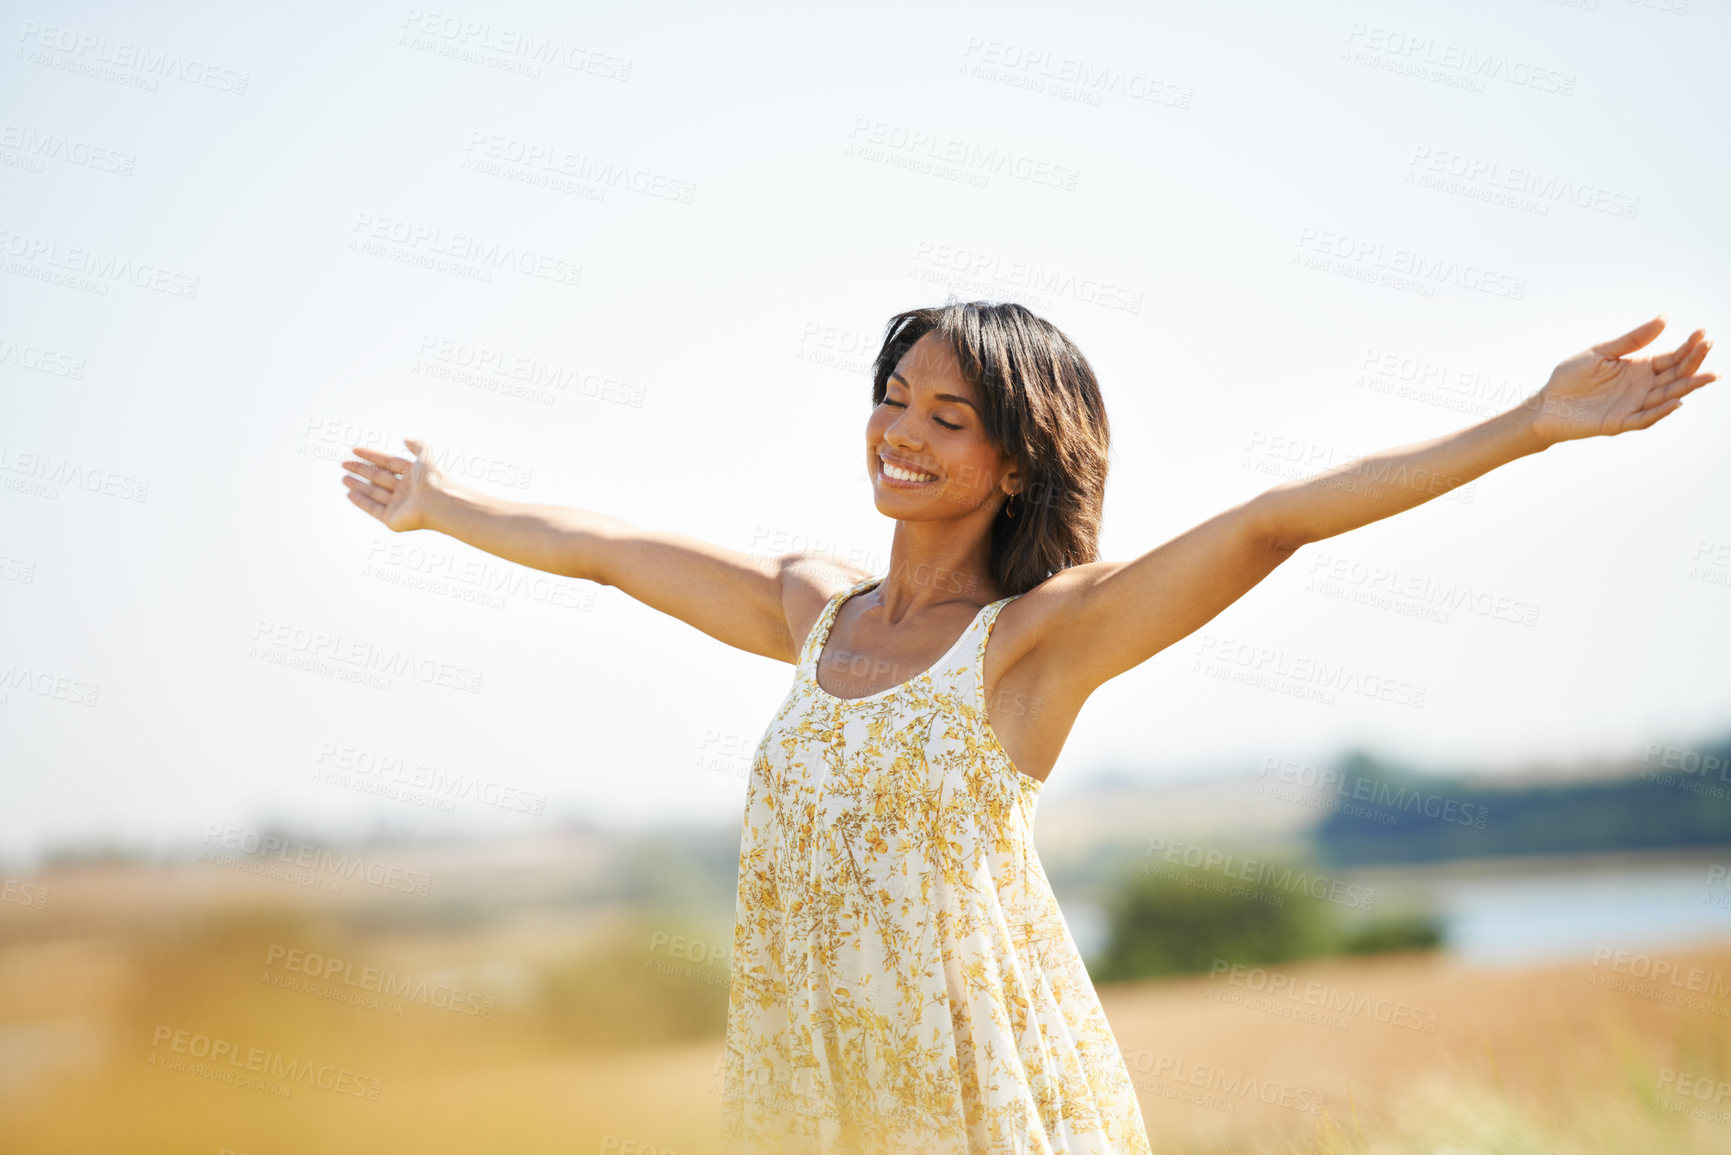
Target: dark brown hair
[1041, 406]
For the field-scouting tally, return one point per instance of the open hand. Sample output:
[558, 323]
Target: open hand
[1600, 392]
[396, 491]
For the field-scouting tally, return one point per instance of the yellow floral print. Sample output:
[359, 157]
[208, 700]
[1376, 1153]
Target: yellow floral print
[903, 980]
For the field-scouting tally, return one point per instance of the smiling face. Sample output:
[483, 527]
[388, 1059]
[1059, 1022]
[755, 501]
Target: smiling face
[926, 447]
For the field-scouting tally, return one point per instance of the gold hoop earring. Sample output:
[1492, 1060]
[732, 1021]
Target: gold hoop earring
[1010, 506]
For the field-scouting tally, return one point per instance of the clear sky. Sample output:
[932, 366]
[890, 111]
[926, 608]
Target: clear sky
[637, 258]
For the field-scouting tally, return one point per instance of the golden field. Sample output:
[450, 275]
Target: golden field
[564, 1030]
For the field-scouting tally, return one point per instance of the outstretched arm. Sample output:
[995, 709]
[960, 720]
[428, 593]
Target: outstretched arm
[1093, 622]
[1594, 393]
[742, 599]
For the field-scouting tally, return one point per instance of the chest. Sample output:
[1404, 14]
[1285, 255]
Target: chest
[913, 760]
[856, 662]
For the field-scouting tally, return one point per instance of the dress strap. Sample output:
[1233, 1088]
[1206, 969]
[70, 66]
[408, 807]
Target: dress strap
[820, 629]
[988, 615]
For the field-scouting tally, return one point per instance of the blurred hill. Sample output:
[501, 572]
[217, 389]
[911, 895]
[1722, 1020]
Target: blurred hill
[1356, 812]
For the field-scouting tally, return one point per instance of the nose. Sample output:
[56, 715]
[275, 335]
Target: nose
[896, 436]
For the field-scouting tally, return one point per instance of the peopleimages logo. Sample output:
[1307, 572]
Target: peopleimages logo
[255, 1062]
[321, 859]
[1378, 793]
[90, 49]
[1272, 989]
[372, 980]
[1268, 874]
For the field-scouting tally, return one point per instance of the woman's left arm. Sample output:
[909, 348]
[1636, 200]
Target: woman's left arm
[1596, 393]
[1091, 622]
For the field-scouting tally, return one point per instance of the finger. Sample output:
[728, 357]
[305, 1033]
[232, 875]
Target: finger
[1688, 365]
[367, 504]
[1674, 390]
[1632, 340]
[1702, 348]
[383, 477]
[1696, 382]
[374, 493]
[1685, 366]
[394, 464]
[1647, 417]
[1693, 347]
[1661, 394]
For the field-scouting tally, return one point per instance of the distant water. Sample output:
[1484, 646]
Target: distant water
[1513, 921]
[1540, 915]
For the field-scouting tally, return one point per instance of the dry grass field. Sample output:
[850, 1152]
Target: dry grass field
[145, 1011]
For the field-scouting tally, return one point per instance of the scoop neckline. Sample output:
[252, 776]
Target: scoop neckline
[834, 612]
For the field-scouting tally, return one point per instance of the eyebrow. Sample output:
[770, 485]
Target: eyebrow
[894, 376]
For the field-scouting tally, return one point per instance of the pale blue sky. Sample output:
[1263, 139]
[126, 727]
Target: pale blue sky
[775, 182]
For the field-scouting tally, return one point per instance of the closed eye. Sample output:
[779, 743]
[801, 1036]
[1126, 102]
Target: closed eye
[939, 420]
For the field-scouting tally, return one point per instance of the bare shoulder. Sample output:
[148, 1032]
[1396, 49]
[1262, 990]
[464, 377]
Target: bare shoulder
[808, 582]
[1027, 638]
[1039, 617]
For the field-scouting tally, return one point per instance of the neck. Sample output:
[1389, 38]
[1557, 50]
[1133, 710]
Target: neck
[931, 564]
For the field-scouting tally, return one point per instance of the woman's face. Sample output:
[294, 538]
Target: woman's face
[927, 424]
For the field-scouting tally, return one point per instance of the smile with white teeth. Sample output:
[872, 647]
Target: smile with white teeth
[899, 474]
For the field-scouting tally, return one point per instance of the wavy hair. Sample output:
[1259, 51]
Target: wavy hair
[1041, 407]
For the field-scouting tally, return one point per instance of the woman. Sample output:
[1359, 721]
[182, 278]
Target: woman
[902, 977]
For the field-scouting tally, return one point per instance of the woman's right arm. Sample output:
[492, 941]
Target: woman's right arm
[751, 602]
